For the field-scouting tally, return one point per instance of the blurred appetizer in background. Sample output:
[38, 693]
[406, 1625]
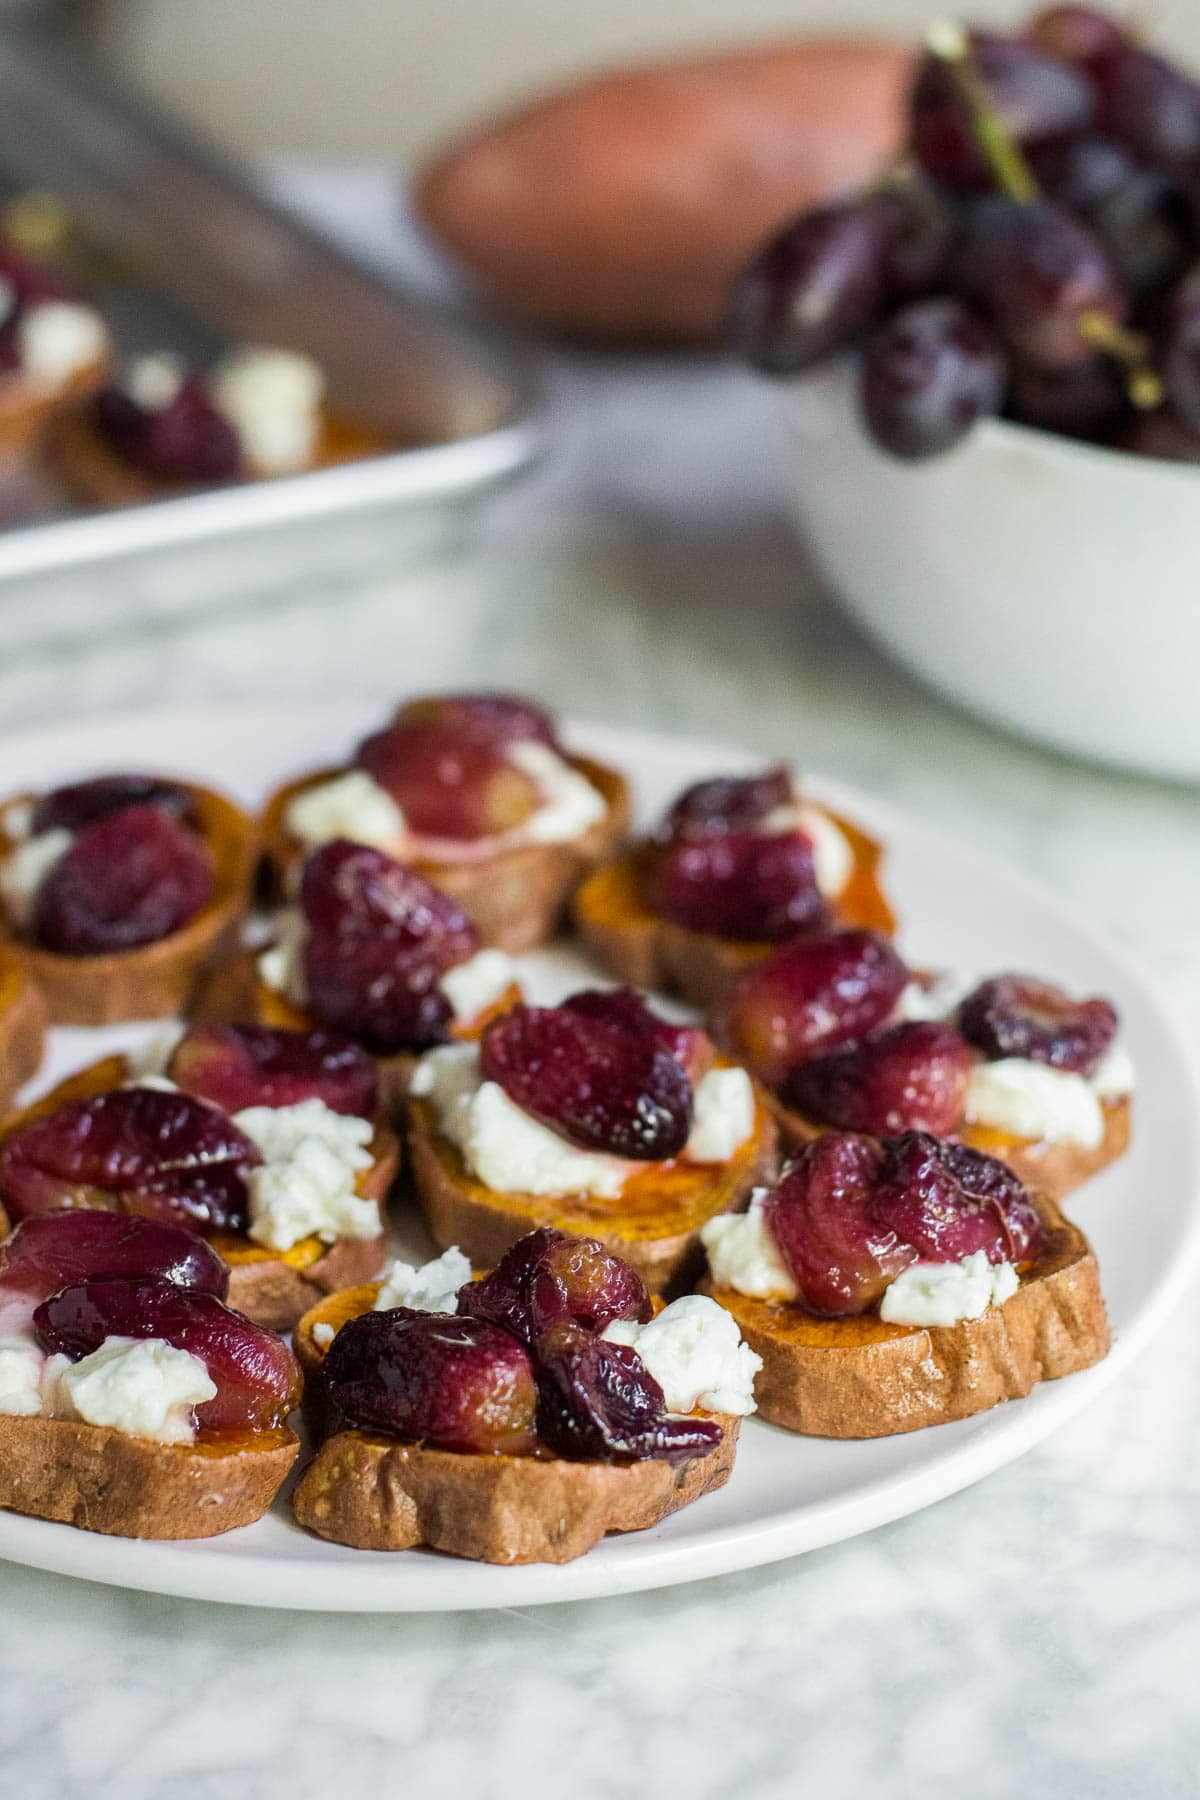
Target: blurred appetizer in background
[478, 794]
[55, 348]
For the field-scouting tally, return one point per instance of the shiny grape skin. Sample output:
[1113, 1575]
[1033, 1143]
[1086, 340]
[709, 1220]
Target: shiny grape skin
[1035, 270]
[1149, 105]
[813, 288]
[928, 375]
[1038, 99]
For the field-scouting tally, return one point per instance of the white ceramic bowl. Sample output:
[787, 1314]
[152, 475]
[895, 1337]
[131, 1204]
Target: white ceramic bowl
[1052, 587]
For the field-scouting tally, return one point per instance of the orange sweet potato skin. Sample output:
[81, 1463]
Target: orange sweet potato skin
[624, 206]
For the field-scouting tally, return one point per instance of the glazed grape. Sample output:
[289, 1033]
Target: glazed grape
[187, 442]
[548, 1278]
[128, 879]
[928, 375]
[813, 288]
[1040, 275]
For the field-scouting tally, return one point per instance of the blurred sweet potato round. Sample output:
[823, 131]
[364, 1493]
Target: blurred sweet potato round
[624, 206]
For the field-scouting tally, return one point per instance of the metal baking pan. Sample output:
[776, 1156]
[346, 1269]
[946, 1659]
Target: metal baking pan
[207, 260]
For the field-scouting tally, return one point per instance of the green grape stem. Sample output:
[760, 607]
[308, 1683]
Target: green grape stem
[1012, 174]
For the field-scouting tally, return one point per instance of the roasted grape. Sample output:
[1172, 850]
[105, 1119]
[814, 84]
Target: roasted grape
[453, 1383]
[235, 1066]
[910, 1077]
[447, 782]
[948, 1201]
[126, 880]
[598, 1085]
[597, 1403]
[256, 1375]
[749, 886]
[726, 803]
[840, 1257]
[1018, 1015]
[187, 442]
[486, 718]
[58, 1249]
[813, 996]
[550, 1279]
[70, 808]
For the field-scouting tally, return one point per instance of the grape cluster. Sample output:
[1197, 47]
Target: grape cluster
[1035, 253]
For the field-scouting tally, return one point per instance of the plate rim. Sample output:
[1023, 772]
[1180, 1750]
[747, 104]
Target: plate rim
[215, 1570]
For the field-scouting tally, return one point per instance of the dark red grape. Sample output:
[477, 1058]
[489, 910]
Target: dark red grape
[917, 256]
[164, 1155]
[725, 804]
[126, 880]
[453, 1383]
[1088, 400]
[1017, 1015]
[1181, 355]
[1150, 105]
[1079, 172]
[379, 939]
[690, 1046]
[70, 808]
[1146, 225]
[1160, 434]
[448, 783]
[598, 1403]
[1039, 274]
[57, 1249]
[187, 442]
[256, 1375]
[486, 718]
[748, 886]
[910, 1077]
[1036, 98]
[948, 1202]
[1075, 34]
[601, 1087]
[838, 1254]
[813, 288]
[811, 997]
[235, 1066]
[549, 1279]
[928, 375]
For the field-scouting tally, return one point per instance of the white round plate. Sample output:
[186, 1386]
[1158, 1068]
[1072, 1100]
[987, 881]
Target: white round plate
[958, 910]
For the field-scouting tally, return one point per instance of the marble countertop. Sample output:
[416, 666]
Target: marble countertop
[1040, 1632]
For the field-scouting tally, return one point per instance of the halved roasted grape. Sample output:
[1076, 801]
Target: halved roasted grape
[455, 1383]
[187, 441]
[126, 880]
[1087, 400]
[256, 1375]
[1018, 1015]
[142, 1150]
[447, 783]
[1040, 275]
[70, 808]
[1149, 104]
[948, 1202]
[811, 997]
[487, 718]
[749, 886]
[235, 1066]
[726, 803]
[813, 287]
[601, 1087]
[690, 1046]
[928, 374]
[1075, 34]
[550, 1279]
[1036, 98]
[910, 1077]
[598, 1403]
[839, 1255]
[379, 938]
[58, 1249]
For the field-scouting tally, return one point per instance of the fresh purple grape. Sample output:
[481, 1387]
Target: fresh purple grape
[1036, 98]
[928, 375]
[1088, 400]
[1075, 34]
[814, 287]
[1150, 105]
[1038, 273]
